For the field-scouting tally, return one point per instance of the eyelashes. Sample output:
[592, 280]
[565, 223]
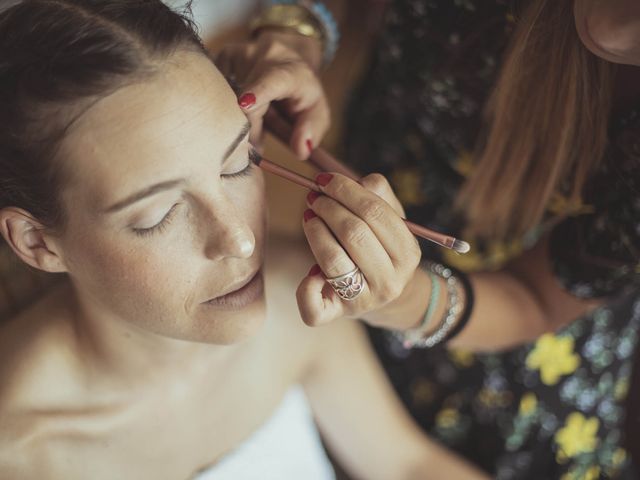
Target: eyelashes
[166, 220]
[160, 226]
[254, 156]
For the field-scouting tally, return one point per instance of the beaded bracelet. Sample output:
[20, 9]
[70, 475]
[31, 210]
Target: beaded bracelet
[468, 303]
[448, 326]
[323, 16]
[413, 335]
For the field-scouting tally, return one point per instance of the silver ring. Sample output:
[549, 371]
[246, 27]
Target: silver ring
[349, 285]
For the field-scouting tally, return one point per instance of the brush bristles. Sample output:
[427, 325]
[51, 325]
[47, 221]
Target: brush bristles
[461, 246]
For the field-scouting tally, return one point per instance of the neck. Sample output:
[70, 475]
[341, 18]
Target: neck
[124, 355]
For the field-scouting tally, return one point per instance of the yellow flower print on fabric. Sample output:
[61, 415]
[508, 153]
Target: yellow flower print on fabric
[461, 358]
[621, 388]
[561, 205]
[593, 473]
[495, 398]
[528, 403]
[577, 436]
[554, 357]
[619, 456]
[447, 418]
[464, 163]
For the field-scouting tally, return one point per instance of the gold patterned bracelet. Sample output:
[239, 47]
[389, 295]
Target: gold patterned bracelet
[289, 17]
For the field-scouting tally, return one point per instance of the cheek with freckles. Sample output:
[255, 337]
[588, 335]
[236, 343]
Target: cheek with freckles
[152, 287]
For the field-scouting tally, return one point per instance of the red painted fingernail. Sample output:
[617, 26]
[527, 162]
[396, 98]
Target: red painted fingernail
[309, 145]
[247, 100]
[323, 179]
[312, 197]
[309, 214]
[315, 270]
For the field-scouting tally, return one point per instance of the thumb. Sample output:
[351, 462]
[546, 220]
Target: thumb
[317, 302]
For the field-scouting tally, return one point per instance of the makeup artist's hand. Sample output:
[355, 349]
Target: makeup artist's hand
[280, 67]
[356, 224]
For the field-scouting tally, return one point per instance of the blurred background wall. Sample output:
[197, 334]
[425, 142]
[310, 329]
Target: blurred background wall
[216, 16]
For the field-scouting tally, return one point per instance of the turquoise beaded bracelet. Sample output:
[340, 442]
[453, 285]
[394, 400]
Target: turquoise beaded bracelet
[411, 337]
[416, 337]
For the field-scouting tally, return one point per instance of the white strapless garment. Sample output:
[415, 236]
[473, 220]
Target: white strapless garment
[286, 447]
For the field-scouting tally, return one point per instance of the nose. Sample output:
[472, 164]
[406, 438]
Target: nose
[227, 233]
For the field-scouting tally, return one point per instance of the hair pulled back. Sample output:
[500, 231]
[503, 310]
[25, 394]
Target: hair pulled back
[57, 57]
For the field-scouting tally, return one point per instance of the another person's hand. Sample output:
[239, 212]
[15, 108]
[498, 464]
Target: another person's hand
[355, 225]
[282, 68]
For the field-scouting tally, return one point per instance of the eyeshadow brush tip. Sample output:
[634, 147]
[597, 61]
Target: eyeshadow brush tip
[461, 246]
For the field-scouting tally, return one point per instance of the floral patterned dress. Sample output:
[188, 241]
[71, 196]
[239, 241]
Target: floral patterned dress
[554, 408]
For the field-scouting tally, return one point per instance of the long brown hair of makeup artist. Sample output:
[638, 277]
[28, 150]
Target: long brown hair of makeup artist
[546, 125]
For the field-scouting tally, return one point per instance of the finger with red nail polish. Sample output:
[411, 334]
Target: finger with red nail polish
[315, 270]
[312, 197]
[323, 179]
[308, 215]
[247, 100]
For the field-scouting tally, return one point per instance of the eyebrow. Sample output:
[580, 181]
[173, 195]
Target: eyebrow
[169, 184]
[241, 136]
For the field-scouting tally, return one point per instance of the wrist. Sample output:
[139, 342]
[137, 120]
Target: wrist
[459, 302]
[304, 18]
[406, 311]
[309, 49]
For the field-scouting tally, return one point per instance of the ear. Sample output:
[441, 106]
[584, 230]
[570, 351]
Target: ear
[30, 240]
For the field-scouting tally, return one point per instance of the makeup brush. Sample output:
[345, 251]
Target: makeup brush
[320, 158]
[435, 237]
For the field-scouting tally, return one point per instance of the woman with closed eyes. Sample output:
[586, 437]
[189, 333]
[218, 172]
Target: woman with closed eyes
[125, 167]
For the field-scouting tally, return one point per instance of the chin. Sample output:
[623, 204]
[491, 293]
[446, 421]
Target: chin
[229, 328]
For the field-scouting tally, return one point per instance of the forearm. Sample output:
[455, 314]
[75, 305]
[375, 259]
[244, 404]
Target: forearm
[505, 311]
[511, 306]
[309, 49]
[362, 420]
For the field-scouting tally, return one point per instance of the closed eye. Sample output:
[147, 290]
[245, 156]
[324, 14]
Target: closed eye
[253, 156]
[242, 173]
[158, 227]
[166, 220]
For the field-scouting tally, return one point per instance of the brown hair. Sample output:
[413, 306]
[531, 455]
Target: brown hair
[546, 125]
[56, 58]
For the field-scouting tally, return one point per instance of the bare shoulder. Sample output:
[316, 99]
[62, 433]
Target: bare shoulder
[33, 445]
[22, 451]
[35, 350]
[32, 373]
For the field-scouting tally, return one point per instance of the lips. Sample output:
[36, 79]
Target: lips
[240, 295]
